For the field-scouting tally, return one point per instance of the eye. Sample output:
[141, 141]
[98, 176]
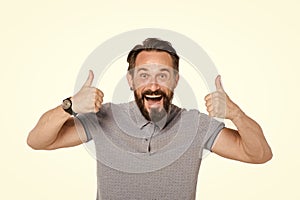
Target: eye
[144, 75]
[163, 76]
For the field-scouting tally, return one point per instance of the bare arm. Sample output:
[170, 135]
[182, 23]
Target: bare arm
[56, 128]
[247, 143]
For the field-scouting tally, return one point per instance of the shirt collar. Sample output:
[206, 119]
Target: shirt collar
[136, 115]
[140, 120]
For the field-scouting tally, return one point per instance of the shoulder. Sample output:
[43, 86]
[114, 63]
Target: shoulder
[197, 116]
[111, 107]
[114, 110]
[190, 113]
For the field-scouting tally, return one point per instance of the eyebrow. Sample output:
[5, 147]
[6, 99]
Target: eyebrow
[145, 69]
[165, 70]
[142, 69]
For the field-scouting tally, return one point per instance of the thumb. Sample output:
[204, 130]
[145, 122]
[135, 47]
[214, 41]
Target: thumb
[90, 79]
[218, 83]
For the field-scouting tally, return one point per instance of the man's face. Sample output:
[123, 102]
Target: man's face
[153, 81]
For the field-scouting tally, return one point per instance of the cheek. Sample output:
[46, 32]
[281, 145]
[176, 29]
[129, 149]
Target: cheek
[139, 85]
[170, 85]
[138, 92]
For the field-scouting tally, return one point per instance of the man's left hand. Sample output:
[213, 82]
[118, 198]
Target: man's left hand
[218, 104]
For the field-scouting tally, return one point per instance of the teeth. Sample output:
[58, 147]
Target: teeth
[153, 96]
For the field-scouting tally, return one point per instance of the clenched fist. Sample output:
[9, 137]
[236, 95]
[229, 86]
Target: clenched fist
[218, 104]
[88, 99]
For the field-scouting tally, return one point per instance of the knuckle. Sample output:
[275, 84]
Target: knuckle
[209, 108]
[206, 103]
[94, 98]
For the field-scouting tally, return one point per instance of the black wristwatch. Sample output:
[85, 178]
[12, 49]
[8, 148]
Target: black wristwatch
[67, 106]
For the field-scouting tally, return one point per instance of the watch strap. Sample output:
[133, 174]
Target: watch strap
[70, 110]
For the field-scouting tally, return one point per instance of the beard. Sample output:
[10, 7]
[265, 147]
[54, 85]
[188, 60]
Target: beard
[155, 114]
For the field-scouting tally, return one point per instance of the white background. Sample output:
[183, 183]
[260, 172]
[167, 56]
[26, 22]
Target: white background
[254, 44]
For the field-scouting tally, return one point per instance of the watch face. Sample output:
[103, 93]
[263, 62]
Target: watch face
[66, 104]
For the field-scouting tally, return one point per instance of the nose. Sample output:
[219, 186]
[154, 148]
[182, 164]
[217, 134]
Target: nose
[154, 86]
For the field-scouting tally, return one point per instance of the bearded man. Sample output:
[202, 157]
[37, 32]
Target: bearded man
[150, 148]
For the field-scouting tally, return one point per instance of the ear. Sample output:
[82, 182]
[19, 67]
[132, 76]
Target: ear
[130, 80]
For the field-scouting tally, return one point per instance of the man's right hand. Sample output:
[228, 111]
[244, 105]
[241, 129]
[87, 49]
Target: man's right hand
[89, 98]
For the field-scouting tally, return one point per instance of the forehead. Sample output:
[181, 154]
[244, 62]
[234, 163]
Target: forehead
[153, 68]
[150, 57]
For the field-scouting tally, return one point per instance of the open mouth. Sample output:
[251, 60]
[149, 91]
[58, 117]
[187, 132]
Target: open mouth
[154, 98]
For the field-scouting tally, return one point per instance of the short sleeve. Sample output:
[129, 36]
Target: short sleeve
[91, 122]
[213, 135]
[85, 121]
[209, 129]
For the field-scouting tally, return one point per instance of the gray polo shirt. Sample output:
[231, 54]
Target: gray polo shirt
[139, 159]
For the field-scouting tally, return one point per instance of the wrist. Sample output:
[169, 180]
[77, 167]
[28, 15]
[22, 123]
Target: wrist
[238, 115]
[67, 106]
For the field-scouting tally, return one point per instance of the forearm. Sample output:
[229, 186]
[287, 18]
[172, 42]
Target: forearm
[47, 129]
[252, 139]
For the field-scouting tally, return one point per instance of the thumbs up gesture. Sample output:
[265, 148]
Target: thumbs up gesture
[218, 104]
[89, 98]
